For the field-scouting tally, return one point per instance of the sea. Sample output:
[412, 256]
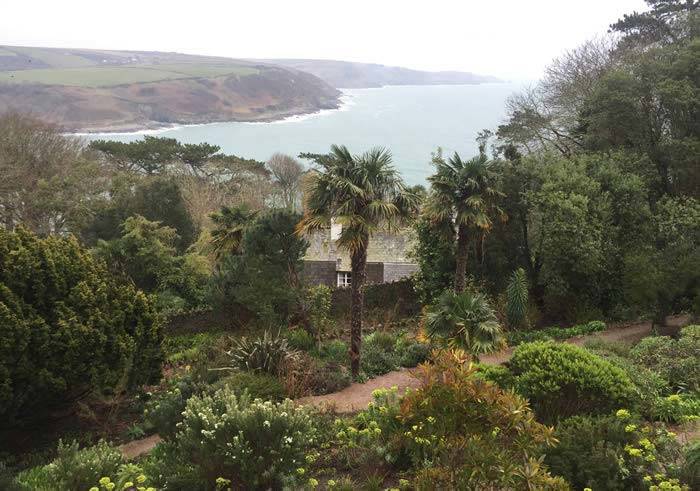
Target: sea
[411, 121]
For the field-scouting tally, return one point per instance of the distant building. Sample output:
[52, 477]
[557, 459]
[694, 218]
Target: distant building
[387, 258]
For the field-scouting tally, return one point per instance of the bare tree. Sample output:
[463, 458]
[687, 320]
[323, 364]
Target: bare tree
[286, 174]
[49, 180]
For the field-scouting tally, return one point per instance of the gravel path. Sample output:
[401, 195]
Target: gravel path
[356, 397]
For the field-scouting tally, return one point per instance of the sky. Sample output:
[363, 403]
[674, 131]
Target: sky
[512, 39]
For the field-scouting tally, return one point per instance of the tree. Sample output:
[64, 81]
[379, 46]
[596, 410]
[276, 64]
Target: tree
[517, 300]
[149, 156]
[68, 327]
[465, 320]
[157, 198]
[49, 181]
[286, 173]
[363, 193]
[661, 23]
[262, 272]
[230, 225]
[463, 191]
[145, 252]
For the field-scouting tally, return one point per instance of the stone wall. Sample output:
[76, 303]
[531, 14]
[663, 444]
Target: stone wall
[320, 273]
[396, 271]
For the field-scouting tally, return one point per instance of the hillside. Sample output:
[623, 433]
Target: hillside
[98, 90]
[345, 74]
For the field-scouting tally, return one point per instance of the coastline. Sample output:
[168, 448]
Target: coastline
[153, 128]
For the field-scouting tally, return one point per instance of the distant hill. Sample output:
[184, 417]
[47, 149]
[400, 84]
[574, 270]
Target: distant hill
[345, 74]
[97, 90]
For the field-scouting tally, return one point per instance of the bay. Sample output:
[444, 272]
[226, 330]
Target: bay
[411, 121]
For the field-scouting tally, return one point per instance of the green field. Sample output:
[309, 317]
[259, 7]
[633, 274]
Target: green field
[128, 74]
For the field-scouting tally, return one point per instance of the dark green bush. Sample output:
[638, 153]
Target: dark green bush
[335, 351]
[164, 411]
[676, 361]
[73, 468]
[562, 380]
[414, 353]
[589, 452]
[67, 327]
[613, 452]
[378, 354]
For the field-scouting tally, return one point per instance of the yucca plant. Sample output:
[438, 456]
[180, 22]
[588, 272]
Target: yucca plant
[517, 299]
[466, 321]
[267, 353]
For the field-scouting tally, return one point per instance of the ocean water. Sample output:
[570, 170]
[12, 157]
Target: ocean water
[411, 121]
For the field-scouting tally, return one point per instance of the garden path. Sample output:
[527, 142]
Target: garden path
[357, 396]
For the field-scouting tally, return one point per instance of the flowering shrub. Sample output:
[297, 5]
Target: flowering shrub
[252, 443]
[562, 380]
[74, 468]
[468, 433]
[615, 452]
[129, 477]
[677, 408]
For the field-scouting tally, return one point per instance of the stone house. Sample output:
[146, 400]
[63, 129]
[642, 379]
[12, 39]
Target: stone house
[387, 258]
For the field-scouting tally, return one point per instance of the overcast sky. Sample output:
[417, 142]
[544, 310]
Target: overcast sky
[510, 38]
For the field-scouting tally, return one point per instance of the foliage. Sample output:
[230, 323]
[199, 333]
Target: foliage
[677, 408]
[691, 469]
[676, 361]
[129, 477]
[364, 194]
[254, 444]
[562, 380]
[318, 301]
[306, 375]
[49, 180]
[300, 340]
[470, 432]
[258, 385]
[379, 355]
[230, 225]
[164, 411]
[74, 468]
[465, 320]
[517, 300]
[146, 253]
[434, 253]
[463, 191]
[266, 353]
[613, 452]
[68, 327]
[264, 276]
[554, 333]
[158, 199]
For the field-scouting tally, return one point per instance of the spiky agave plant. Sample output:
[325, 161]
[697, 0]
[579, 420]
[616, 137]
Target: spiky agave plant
[466, 321]
[517, 299]
[267, 353]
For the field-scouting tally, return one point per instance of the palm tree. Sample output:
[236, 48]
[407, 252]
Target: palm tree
[229, 226]
[465, 320]
[463, 192]
[363, 193]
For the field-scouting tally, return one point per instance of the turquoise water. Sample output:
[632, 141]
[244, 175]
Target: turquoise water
[412, 121]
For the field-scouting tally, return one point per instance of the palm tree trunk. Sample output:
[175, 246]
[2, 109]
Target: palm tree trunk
[461, 258]
[358, 263]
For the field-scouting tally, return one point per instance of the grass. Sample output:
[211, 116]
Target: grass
[54, 57]
[127, 74]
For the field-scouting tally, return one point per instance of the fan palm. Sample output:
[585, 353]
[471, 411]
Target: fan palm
[463, 192]
[363, 193]
[466, 321]
[229, 226]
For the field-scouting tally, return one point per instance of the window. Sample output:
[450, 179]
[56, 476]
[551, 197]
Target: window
[344, 279]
